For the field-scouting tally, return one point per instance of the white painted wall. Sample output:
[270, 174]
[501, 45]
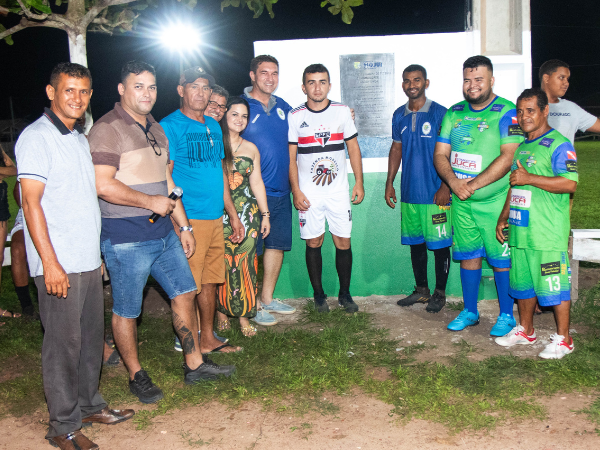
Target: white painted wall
[442, 54]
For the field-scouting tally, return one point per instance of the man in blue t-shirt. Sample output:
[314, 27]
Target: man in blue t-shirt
[425, 199]
[195, 157]
[268, 130]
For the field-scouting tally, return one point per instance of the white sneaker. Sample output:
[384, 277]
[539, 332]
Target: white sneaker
[517, 336]
[557, 348]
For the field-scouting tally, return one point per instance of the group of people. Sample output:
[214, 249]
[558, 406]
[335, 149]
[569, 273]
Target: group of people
[236, 160]
[494, 184]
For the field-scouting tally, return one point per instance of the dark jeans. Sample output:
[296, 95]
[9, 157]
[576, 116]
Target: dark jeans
[72, 350]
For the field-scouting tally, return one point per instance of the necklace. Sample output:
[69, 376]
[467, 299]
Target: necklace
[238, 147]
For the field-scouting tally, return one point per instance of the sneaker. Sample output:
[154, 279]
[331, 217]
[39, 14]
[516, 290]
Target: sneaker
[504, 325]
[144, 389]
[436, 302]
[420, 295]
[346, 302]
[465, 319]
[206, 371]
[278, 307]
[217, 337]
[321, 303]
[557, 348]
[264, 318]
[517, 336]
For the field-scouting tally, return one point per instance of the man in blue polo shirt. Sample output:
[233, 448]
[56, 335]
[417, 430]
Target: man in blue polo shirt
[268, 130]
[424, 197]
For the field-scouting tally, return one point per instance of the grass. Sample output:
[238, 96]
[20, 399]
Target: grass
[302, 369]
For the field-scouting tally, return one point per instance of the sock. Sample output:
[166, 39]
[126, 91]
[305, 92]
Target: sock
[343, 264]
[442, 267]
[314, 264]
[470, 285]
[418, 257]
[23, 295]
[505, 300]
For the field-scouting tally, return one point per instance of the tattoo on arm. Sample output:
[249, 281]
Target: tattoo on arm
[185, 335]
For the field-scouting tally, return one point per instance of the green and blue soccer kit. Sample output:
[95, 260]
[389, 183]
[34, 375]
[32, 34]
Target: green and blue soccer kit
[539, 222]
[475, 137]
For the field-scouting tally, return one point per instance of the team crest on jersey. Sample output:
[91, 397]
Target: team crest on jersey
[458, 123]
[302, 218]
[324, 170]
[482, 126]
[426, 128]
[304, 125]
[322, 137]
[280, 113]
[531, 160]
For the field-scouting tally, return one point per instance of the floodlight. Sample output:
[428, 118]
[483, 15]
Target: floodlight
[181, 38]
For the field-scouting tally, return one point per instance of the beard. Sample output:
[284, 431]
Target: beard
[483, 97]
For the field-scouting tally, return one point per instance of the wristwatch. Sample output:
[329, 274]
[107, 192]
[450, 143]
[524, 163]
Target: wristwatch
[189, 228]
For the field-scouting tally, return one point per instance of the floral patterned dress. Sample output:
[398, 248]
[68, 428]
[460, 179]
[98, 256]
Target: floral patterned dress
[237, 297]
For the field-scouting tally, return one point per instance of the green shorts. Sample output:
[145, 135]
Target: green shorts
[474, 226]
[536, 273]
[426, 223]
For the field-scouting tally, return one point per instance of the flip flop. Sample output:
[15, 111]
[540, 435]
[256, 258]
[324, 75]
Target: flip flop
[221, 347]
[12, 315]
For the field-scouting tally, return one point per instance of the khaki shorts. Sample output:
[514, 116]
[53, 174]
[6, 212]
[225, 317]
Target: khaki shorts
[208, 262]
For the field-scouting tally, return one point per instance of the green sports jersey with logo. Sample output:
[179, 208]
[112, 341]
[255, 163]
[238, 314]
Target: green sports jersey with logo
[476, 137]
[538, 219]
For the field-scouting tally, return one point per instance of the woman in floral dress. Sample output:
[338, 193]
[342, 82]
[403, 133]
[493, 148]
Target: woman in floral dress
[237, 297]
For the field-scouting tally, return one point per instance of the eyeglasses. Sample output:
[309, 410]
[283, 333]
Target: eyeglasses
[153, 142]
[215, 104]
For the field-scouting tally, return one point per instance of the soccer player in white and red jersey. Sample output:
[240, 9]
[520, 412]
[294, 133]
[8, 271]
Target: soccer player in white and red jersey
[318, 130]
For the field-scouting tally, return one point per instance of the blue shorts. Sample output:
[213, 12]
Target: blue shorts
[280, 237]
[130, 264]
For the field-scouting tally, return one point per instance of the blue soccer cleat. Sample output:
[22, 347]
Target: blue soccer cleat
[504, 325]
[465, 319]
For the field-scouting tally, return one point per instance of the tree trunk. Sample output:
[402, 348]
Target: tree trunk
[78, 54]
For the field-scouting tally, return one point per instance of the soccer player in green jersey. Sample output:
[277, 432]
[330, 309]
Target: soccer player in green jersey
[536, 211]
[473, 154]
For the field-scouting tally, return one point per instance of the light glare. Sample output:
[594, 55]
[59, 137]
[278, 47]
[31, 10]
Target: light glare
[181, 38]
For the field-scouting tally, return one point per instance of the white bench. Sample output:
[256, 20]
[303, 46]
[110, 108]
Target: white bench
[583, 246]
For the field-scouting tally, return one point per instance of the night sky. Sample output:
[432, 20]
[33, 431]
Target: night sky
[560, 29]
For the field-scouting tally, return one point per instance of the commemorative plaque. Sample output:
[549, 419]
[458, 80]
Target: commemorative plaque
[367, 85]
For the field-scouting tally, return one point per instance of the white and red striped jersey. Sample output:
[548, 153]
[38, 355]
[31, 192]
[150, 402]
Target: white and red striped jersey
[321, 157]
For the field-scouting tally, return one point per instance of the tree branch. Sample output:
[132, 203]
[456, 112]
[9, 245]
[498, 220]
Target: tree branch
[25, 23]
[4, 11]
[29, 14]
[103, 4]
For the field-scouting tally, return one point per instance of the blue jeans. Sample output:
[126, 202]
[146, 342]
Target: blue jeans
[131, 263]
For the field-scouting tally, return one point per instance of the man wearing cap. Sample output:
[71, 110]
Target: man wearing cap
[130, 154]
[196, 155]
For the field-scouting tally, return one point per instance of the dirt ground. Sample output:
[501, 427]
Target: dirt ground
[362, 422]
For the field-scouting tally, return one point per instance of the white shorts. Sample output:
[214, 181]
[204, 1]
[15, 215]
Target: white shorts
[335, 210]
[18, 226]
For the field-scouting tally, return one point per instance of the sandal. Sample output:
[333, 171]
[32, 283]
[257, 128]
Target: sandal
[223, 325]
[6, 314]
[249, 330]
[114, 359]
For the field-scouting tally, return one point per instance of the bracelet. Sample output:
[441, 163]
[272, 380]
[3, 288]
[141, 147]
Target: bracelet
[188, 228]
[266, 214]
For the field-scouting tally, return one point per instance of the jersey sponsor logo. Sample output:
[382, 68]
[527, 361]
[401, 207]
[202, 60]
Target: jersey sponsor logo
[466, 161]
[514, 121]
[546, 142]
[458, 107]
[462, 176]
[426, 128]
[497, 107]
[518, 217]
[467, 140]
[472, 119]
[482, 126]
[439, 218]
[440, 130]
[551, 268]
[304, 125]
[571, 154]
[524, 152]
[566, 114]
[280, 113]
[515, 130]
[324, 170]
[302, 217]
[571, 165]
[520, 198]
[322, 137]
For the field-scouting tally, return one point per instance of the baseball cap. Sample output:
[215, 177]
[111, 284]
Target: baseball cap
[193, 73]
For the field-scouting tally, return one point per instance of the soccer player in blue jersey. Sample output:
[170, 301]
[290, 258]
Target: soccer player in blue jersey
[424, 196]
